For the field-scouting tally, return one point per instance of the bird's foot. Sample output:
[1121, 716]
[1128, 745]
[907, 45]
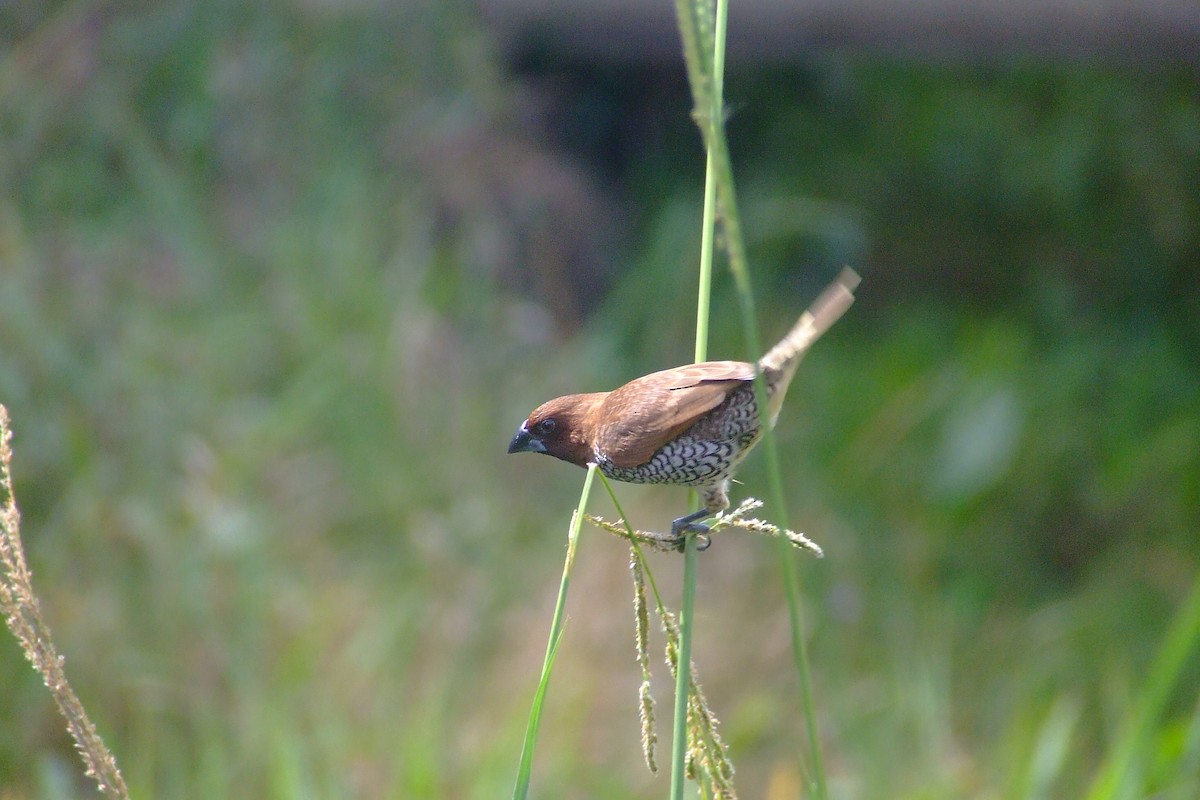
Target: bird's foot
[691, 524]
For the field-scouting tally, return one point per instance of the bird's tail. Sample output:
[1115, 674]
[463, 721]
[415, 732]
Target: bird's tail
[779, 364]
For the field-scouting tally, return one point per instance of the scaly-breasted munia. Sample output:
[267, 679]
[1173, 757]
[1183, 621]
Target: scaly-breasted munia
[687, 426]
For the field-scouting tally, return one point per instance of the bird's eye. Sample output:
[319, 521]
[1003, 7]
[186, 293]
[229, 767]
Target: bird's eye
[545, 427]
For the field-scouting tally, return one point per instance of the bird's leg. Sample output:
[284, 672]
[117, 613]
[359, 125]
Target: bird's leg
[716, 499]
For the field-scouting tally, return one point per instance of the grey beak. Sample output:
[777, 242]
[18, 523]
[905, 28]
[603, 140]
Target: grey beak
[524, 442]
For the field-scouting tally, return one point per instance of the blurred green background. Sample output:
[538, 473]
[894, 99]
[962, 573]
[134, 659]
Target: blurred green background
[277, 282]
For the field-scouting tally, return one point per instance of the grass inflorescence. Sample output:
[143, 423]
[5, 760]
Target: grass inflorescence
[642, 644]
[731, 518]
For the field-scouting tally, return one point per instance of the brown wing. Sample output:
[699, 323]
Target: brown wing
[646, 413]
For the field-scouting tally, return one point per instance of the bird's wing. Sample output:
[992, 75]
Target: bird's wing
[645, 414]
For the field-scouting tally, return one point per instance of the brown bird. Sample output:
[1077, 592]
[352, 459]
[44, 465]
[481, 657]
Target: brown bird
[687, 426]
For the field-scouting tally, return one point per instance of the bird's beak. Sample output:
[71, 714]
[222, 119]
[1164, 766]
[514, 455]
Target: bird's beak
[524, 442]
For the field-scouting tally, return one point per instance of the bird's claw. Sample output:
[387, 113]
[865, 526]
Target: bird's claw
[681, 527]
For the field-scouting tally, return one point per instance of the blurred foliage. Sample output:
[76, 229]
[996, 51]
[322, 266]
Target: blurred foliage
[277, 280]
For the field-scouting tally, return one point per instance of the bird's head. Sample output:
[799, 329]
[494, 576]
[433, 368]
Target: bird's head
[562, 427]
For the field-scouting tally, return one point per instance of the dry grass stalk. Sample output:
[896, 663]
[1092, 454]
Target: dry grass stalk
[23, 614]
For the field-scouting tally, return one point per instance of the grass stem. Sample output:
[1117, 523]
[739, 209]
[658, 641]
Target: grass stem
[705, 77]
[683, 673]
[23, 613]
[703, 305]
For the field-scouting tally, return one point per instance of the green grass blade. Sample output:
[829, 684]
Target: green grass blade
[1181, 640]
[521, 789]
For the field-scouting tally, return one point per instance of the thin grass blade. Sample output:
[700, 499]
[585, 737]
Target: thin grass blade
[521, 789]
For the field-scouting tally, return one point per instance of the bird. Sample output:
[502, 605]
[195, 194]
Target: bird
[687, 426]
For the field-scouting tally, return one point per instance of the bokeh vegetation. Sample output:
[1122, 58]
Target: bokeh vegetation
[277, 281]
